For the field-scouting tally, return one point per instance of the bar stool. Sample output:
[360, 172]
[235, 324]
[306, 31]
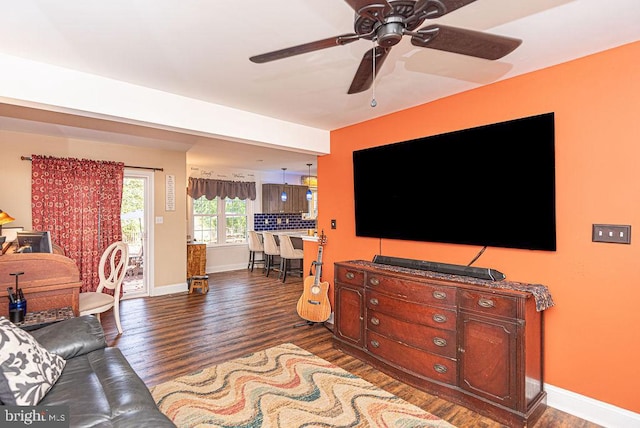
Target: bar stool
[200, 282]
[288, 253]
[271, 250]
[255, 246]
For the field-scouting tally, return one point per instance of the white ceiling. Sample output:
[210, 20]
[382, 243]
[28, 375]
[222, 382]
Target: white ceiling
[200, 49]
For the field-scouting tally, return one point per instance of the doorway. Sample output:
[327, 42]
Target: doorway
[135, 217]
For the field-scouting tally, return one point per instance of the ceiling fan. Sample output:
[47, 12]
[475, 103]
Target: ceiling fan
[386, 21]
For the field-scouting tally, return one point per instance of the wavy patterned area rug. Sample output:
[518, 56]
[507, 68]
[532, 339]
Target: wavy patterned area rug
[284, 386]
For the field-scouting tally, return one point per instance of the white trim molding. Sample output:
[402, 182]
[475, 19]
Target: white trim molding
[589, 409]
[169, 289]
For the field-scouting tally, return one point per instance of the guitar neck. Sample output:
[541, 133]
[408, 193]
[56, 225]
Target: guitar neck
[316, 280]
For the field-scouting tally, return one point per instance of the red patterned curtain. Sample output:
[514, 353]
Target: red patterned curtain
[79, 202]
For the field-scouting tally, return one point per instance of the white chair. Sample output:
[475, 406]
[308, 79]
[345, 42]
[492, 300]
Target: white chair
[255, 246]
[113, 267]
[287, 253]
[271, 250]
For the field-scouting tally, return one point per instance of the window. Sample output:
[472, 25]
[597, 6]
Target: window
[220, 221]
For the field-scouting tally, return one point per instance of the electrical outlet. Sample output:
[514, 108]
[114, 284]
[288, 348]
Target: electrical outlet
[612, 233]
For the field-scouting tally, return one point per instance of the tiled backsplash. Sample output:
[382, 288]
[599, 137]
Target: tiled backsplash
[281, 222]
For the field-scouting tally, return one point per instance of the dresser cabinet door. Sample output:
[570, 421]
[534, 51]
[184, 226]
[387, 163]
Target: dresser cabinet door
[349, 314]
[488, 357]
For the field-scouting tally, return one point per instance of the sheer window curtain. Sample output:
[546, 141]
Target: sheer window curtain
[78, 202]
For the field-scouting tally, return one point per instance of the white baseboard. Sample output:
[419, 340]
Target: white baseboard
[169, 289]
[589, 409]
[226, 268]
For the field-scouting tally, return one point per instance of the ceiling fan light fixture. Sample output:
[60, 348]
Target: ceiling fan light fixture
[391, 32]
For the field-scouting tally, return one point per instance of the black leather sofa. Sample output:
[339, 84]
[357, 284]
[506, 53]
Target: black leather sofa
[97, 383]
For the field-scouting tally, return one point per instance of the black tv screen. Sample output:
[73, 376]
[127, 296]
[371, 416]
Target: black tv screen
[492, 185]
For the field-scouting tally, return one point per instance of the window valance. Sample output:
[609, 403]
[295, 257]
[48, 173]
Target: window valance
[210, 188]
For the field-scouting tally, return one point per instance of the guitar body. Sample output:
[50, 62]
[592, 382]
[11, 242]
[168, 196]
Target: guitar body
[314, 303]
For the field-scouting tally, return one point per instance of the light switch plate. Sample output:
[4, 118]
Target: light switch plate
[611, 233]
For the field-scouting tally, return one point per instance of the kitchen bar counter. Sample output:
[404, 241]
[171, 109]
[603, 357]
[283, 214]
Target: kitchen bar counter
[300, 239]
[294, 233]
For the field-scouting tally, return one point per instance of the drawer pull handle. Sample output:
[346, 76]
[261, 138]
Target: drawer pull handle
[374, 301]
[375, 321]
[439, 318]
[438, 341]
[439, 295]
[486, 303]
[350, 275]
[374, 281]
[375, 343]
[440, 368]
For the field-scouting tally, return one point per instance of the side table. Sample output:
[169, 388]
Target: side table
[34, 320]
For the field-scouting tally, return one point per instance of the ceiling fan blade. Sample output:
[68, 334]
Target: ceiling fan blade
[436, 8]
[373, 9]
[364, 76]
[305, 48]
[465, 42]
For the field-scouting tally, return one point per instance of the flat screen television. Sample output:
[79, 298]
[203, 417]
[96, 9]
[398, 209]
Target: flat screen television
[34, 242]
[491, 185]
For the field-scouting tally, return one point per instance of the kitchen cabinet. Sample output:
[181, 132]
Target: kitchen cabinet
[271, 202]
[467, 341]
[296, 199]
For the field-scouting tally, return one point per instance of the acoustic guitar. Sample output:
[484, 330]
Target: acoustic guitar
[314, 305]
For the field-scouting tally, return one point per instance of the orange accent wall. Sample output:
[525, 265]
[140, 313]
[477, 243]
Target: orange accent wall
[592, 335]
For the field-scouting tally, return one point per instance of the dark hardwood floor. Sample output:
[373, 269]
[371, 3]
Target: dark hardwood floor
[168, 336]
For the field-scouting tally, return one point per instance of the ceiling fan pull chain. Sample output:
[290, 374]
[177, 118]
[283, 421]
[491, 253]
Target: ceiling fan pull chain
[373, 83]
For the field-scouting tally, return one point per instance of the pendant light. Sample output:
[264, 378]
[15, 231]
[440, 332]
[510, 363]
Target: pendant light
[283, 195]
[309, 192]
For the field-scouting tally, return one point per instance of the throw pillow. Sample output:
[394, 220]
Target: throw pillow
[27, 370]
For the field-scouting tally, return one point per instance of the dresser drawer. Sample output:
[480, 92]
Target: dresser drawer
[413, 360]
[433, 316]
[488, 303]
[441, 342]
[416, 291]
[349, 276]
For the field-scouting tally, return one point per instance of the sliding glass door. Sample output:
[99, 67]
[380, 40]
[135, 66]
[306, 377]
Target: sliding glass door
[135, 216]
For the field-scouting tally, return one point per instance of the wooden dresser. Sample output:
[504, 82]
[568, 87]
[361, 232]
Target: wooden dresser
[50, 281]
[473, 342]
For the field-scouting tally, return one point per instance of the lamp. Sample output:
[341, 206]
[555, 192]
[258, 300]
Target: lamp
[283, 195]
[4, 219]
[309, 192]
